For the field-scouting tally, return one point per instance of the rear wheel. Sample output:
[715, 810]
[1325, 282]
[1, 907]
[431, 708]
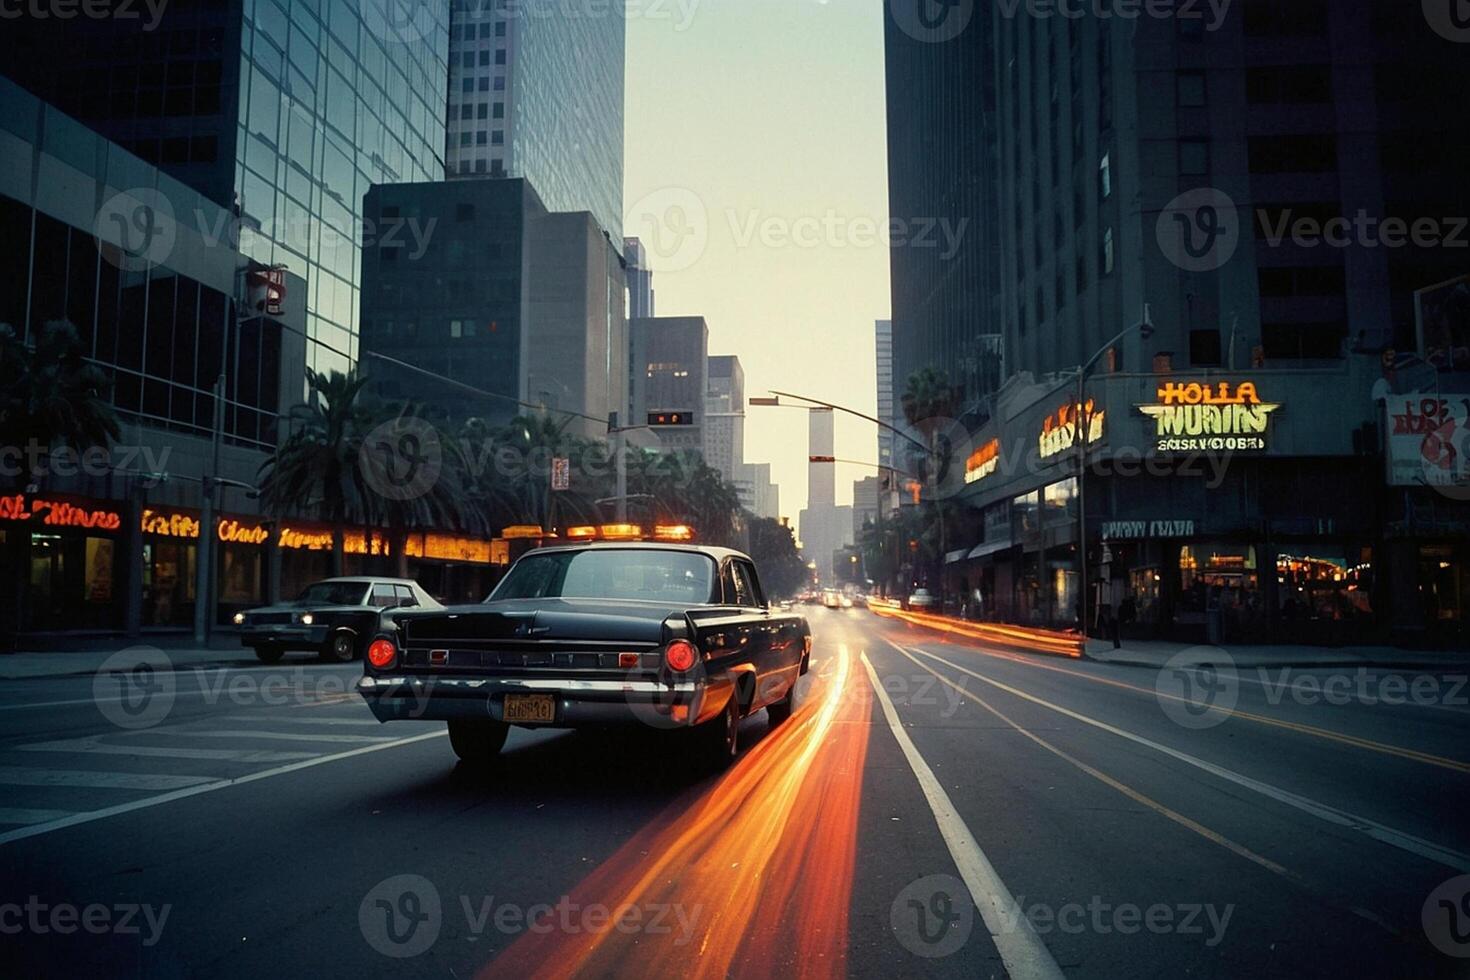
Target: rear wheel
[477, 741]
[269, 653]
[716, 742]
[341, 647]
[779, 711]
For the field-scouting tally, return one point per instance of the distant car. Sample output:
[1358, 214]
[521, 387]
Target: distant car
[335, 617]
[831, 599]
[846, 602]
[923, 599]
[669, 636]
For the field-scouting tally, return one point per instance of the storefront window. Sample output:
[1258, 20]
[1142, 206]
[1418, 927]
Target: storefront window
[168, 582]
[1144, 585]
[1442, 585]
[1060, 502]
[71, 582]
[1327, 584]
[239, 582]
[1219, 585]
[1026, 514]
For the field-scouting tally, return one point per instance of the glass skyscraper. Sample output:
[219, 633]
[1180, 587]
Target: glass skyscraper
[536, 91]
[283, 113]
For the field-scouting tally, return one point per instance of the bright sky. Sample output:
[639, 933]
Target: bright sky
[756, 155]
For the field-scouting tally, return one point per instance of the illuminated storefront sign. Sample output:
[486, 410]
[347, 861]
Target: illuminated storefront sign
[1059, 431]
[1203, 416]
[233, 532]
[446, 547]
[169, 525]
[1146, 530]
[57, 513]
[983, 462]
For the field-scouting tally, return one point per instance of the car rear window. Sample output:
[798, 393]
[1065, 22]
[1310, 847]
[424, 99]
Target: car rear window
[662, 576]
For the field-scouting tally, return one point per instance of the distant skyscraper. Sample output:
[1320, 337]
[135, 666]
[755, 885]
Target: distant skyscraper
[537, 92]
[864, 504]
[669, 355]
[825, 527]
[640, 280]
[821, 477]
[724, 417]
[886, 407]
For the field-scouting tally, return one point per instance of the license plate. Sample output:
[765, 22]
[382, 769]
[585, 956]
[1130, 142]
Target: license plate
[530, 708]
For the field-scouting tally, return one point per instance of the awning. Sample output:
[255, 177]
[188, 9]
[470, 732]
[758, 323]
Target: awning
[956, 556]
[990, 548]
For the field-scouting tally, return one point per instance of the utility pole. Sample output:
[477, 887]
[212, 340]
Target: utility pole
[204, 553]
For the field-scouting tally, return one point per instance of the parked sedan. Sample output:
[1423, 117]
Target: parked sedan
[333, 617]
[669, 636]
[923, 599]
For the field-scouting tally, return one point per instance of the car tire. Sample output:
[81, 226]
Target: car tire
[477, 742]
[717, 741]
[778, 711]
[340, 648]
[269, 653]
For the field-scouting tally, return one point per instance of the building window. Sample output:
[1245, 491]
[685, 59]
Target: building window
[500, 30]
[480, 138]
[1194, 157]
[456, 329]
[484, 59]
[500, 84]
[479, 166]
[500, 110]
[464, 138]
[500, 57]
[1191, 86]
[1105, 176]
[1107, 252]
[498, 137]
[468, 85]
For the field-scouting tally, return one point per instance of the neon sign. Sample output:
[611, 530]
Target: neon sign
[984, 462]
[169, 525]
[233, 532]
[1059, 431]
[1202, 417]
[56, 513]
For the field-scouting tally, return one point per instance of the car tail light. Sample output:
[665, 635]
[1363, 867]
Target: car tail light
[382, 653]
[680, 655]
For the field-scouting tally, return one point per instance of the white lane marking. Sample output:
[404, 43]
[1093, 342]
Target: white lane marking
[1377, 831]
[368, 722]
[1021, 950]
[88, 746]
[9, 814]
[22, 776]
[282, 736]
[152, 801]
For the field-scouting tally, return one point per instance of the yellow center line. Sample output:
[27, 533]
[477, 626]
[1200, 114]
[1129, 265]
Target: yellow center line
[1414, 755]
[1192, 825]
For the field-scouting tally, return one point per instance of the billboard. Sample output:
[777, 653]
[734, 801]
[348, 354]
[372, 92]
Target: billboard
[1428, 439]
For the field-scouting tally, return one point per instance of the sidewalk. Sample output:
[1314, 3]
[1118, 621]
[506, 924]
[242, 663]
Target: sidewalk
[89, 653]
[1151, 653]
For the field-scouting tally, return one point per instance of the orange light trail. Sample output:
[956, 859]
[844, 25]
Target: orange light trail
[1047, 641]
[762, 862]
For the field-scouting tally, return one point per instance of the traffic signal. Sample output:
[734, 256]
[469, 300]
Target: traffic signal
[670, 418]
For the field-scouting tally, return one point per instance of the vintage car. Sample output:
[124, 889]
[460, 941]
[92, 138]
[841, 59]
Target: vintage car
[333, 617]
[669, 636]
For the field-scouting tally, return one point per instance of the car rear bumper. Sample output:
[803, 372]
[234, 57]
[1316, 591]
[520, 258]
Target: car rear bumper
[578, 702]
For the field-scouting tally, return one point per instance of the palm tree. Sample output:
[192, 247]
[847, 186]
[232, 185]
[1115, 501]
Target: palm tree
[317, 467]
[928, 401]
[51, 398]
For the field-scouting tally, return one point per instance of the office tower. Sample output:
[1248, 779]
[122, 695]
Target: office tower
[724, 417]
[536, 91]
[640, 280]
[883, 334]
[502, 296]
[865, 499]
[283, 114]
[669, 356]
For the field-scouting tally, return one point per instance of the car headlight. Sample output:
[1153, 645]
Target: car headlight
[239, 619]
[306, 619]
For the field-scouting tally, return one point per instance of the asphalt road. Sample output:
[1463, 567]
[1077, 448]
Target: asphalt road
[975, 812]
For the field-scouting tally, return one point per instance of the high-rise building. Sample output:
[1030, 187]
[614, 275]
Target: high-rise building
[887, 407]
[757, 493]
[282, 114]
[724, 416]
[865, 498]
[536, 91]
[942, 162]
[640, 280]
[505, 297]
[669, 357]
[825, 527]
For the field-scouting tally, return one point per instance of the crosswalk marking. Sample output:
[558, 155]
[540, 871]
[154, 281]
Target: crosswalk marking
[88, 746]
[282, 736]
[22, 776]
[10, 814]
